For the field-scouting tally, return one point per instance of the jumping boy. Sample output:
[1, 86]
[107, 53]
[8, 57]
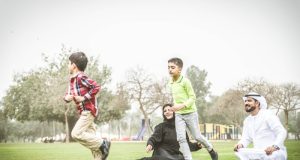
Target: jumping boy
[82, 91]
[185, 110]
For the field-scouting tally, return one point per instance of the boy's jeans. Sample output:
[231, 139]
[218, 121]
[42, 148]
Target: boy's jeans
[191, 122]
[84, 132]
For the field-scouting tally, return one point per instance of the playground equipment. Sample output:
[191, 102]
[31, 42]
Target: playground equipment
[219, 131]
[142, 131]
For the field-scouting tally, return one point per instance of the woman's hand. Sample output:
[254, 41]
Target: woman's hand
[149, 148]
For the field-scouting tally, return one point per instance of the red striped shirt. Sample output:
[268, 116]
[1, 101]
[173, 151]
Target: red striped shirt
[81, 85]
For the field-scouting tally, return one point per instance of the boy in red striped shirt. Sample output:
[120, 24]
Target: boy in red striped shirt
[82, 91]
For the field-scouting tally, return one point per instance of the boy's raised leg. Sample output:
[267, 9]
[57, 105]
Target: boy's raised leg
[104, 148]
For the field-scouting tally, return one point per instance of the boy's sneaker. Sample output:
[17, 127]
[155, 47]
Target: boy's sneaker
[104, 148]
[213, 154]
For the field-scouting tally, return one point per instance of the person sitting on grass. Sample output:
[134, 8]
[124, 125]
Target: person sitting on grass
[263, 129]
[164, 142]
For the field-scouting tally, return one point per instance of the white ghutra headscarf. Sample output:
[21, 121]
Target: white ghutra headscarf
[261, 99]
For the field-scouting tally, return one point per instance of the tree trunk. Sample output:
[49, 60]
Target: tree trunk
[119, 130]
[53, 129]
[42, 129]
[286, 113]
[147, 125]
[67, 124]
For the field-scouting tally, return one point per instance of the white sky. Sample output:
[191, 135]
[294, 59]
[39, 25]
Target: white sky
[232, 40]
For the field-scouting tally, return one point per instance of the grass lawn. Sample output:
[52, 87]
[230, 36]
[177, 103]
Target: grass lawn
[119, 151]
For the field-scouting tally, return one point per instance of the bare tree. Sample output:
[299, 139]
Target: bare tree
[148, 94]
[287, 99]
[260, 86]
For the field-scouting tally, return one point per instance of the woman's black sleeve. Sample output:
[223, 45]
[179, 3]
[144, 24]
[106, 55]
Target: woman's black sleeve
[157, 136]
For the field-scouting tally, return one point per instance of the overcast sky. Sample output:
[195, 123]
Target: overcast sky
[232, 40]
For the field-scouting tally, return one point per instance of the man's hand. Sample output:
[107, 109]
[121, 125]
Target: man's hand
[237, 147]
[270, 150]
[149, 148]
[79, 98]
[69, 97]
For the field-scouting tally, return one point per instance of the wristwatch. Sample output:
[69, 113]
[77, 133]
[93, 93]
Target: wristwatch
[276, 147]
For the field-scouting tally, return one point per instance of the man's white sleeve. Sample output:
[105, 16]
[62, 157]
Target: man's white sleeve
[246, 138]
[278, 129]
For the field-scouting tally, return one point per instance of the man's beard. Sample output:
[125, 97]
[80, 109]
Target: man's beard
[247, 109]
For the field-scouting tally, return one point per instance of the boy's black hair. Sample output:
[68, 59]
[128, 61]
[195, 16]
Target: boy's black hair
[176, 61]
[79, 59]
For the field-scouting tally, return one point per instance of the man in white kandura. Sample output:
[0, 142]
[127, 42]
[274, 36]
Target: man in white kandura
[263, 129]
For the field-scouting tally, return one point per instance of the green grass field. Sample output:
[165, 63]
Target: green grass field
[119, 151]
